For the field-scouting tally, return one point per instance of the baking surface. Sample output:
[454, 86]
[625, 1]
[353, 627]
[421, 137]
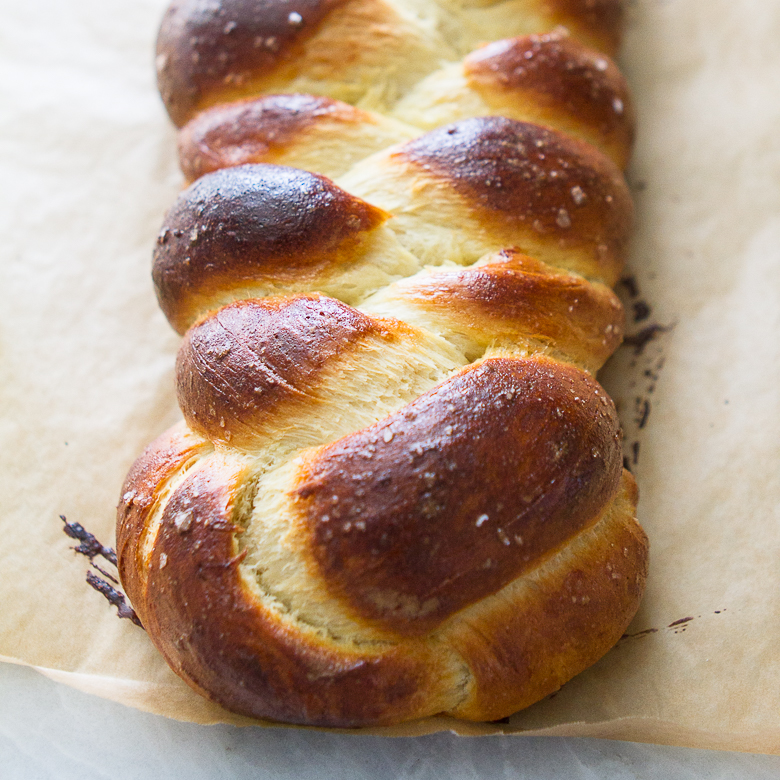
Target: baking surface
[89, 167]
[50, 731]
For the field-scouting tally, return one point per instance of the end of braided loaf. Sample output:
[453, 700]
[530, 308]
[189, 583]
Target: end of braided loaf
[397, 490]
[368, 52]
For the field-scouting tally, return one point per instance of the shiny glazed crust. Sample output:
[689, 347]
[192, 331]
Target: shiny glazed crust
[397, 489]
[410, 586]
[209, 53]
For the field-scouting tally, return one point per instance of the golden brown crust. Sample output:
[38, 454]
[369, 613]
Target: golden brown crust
[238, 366]
[258, 227]
[458, 493]
[564, 83]
[212, 53]
[251, 223]
[551, 78]
[338, 47]
[512, 298]
[258, 130]
[233, 643]
[142, 492]
[560, 620]
[217, 633]
[533, 184]
[208, 47]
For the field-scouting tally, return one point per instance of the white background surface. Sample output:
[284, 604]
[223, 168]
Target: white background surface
[50, 731]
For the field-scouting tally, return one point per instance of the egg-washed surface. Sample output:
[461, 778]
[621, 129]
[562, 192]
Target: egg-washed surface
[398, 489]
[363, 51]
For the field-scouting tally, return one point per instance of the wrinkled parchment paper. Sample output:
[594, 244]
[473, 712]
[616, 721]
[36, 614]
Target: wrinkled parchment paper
[88, 170]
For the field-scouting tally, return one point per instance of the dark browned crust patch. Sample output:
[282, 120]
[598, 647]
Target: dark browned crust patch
[250, 223]
[561, 75]
[251, 130]
[240, 364]
[203, 47]
[457, 494]
[523, 176]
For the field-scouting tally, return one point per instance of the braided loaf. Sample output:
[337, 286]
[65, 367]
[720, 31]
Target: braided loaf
[397, 490]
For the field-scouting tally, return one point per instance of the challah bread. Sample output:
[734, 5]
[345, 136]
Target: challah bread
[397, 490]
[549, 79]
[364, 52]
[455, 194]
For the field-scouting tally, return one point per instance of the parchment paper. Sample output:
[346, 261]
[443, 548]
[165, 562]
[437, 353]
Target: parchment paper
[88, 170]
